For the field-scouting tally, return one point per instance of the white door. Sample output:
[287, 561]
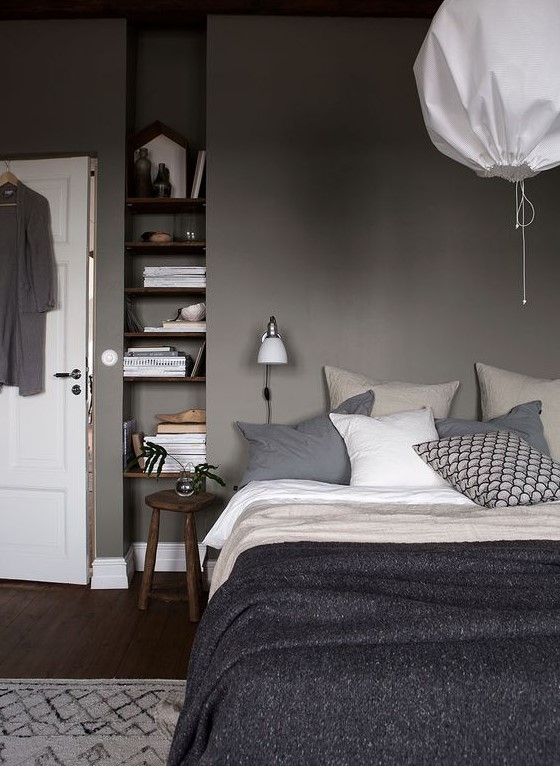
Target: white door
[43, 437]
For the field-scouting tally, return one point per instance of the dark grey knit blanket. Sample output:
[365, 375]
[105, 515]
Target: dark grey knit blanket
[442, 654]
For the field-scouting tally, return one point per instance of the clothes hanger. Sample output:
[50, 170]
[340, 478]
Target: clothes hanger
[7, 177]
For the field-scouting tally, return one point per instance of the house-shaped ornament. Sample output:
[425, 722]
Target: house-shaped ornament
[164, 145]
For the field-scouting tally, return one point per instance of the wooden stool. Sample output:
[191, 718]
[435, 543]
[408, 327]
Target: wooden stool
[169, 500]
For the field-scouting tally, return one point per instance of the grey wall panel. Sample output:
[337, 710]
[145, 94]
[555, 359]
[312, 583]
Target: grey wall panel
[329, 207]
[65, 85]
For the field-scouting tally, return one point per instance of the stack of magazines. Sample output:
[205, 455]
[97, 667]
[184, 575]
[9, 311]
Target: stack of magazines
[159, 361]
[185, 448]
[175, 276]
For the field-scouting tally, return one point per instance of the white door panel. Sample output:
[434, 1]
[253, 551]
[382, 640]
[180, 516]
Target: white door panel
[43, 471]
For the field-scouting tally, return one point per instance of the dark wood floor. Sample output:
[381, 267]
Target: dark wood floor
[71, 631]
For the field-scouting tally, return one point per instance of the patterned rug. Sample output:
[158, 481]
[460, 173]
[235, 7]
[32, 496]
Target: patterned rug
[116, 722]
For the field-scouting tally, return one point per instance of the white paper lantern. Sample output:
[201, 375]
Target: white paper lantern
[488, 76]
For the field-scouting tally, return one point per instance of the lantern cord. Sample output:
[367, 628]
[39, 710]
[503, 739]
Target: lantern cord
[521, 200]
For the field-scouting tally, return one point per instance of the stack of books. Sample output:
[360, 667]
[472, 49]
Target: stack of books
[185, 447]
[177, 326]
[181, 325]
[158, 361]
[175, 276]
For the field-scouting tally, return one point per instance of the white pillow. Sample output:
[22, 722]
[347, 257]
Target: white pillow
[501, 390]
[391, 396]
[380, 449]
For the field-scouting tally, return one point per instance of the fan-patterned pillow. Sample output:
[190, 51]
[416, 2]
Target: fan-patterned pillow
[494, 469]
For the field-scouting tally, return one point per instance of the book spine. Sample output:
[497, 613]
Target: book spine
[152, 354]
[129, 426]
[137, 444]
[172, 362]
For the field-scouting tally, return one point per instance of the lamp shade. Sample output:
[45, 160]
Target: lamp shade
[272, 351]
[487, 77]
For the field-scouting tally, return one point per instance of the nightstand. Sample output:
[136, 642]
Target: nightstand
[168, 500]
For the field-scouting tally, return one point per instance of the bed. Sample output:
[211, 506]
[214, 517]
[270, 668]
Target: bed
[383, 623]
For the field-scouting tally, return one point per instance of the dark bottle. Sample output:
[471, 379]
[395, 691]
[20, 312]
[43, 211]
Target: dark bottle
[143, 175]
[162, 186]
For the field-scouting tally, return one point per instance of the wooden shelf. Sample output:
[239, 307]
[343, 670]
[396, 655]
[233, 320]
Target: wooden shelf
[192, 247]
[165, 290]
[161, 379]
[165, 335]
[164, 205]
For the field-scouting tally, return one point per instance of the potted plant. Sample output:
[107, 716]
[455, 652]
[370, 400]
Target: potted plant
[192, 476]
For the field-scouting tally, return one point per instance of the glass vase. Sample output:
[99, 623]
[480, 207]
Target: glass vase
[184, 486]
[162, 185]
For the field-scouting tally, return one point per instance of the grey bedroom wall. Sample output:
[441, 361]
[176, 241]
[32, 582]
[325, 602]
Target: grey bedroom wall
[329, 207]
[64, 91]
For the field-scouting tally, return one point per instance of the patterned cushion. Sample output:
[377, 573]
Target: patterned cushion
[494, 469]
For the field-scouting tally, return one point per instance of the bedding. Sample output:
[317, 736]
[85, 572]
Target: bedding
[494, 469]
[288, 491]
[391, 396]
[376, 626]
[501, 389]
[523, 420]
[358, 520]
[324, 654]
[380, 449]
[311, 450]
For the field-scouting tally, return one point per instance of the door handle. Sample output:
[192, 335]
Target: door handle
[76, 374]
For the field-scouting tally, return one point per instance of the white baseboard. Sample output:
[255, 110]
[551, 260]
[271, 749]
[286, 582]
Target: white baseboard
[116, 573]
[112, 572]
[171, 557]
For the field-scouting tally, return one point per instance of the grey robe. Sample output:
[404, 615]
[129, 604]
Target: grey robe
[27, 289]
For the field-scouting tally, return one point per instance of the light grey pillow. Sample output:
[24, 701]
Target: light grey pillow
[391, 396]
[500, 390]
[524, 421]
[311, 450]
[495, 469]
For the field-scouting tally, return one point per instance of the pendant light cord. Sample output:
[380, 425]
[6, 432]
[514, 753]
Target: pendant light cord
[520, 200]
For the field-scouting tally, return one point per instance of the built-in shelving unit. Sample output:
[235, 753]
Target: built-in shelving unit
[166, 206]
[182, 70]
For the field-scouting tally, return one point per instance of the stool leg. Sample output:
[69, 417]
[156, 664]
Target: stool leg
[193, 568]
[150, 561]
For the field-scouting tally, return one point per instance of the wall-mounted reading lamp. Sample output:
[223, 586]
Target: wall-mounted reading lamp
[272, 351]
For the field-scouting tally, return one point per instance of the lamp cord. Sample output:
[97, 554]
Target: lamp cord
[266, 393]
[520, 222]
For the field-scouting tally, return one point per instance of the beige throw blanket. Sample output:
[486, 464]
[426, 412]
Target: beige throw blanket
[263, 524]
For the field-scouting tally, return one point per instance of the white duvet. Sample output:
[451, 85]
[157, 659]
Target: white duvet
[270, 512]
[283, 491]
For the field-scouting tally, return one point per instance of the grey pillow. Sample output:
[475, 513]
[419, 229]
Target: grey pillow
[311, 450]
[523, 420]
[494, 469]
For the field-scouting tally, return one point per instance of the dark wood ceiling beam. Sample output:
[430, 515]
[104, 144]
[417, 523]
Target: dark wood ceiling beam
[186, 11]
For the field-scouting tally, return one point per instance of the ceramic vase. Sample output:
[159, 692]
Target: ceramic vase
[143, 174]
